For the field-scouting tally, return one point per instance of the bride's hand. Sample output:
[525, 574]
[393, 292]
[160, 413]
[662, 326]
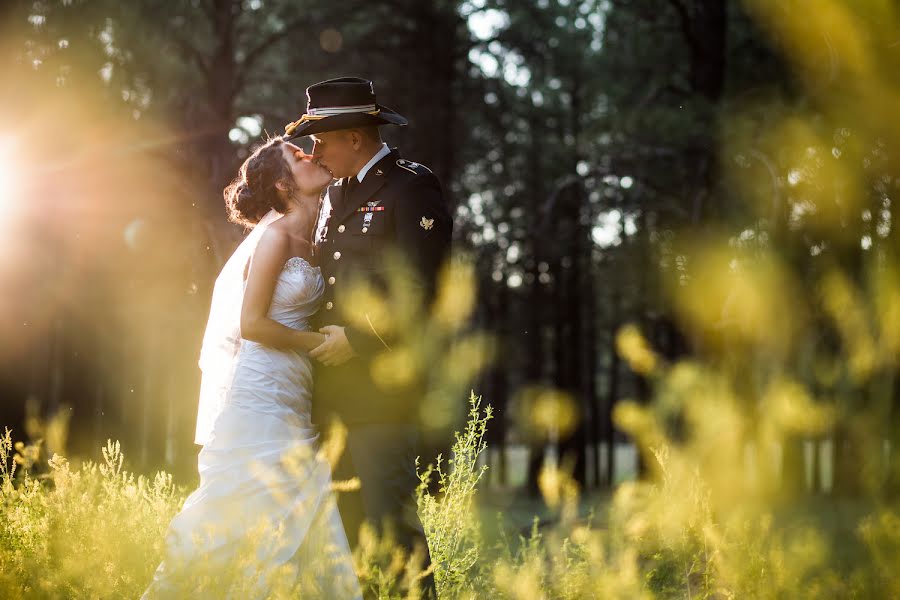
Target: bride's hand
[336, 349]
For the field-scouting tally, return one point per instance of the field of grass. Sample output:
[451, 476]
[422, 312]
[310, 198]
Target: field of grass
[96, 531]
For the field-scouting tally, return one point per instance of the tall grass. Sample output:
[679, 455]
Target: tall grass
[450, 519]
[86, 532]
[696, 528]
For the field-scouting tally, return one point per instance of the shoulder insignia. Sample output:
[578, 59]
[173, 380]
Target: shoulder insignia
[413, 167]
[405, 164]
[426, 224]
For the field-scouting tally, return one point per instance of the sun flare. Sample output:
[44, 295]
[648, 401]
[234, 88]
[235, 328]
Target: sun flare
[10, 183]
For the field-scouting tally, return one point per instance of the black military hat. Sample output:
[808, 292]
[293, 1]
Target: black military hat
[341, 103]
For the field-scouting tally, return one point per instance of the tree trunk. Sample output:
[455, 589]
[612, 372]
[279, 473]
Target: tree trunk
[612, 393]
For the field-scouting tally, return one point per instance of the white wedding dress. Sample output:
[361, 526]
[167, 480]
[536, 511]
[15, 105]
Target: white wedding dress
[263, 516]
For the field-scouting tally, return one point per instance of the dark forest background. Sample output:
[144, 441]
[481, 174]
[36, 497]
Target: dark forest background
[589, 149]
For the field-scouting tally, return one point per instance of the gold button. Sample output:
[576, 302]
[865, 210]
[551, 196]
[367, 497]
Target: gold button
[337, 256]
[365, 229]
[331, 280]
[341, 229]
[329, 306]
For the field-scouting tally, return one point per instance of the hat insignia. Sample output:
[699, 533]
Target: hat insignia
[290, 128]
[426, 224]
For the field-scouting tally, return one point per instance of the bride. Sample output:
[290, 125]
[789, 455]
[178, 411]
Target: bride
[263, 521]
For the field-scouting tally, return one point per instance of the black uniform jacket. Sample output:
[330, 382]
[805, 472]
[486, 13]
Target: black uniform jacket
[398, 209]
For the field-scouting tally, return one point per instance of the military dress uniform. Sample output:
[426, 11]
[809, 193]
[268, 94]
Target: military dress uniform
[397, 210]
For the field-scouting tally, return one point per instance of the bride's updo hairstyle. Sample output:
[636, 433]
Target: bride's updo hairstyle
[253, 193]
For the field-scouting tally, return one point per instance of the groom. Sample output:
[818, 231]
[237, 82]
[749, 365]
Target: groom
[380, 205]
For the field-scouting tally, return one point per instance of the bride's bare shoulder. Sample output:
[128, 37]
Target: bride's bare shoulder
[275, 237]
[295, 243]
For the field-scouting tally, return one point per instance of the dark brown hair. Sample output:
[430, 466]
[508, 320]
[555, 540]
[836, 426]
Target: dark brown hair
[253, 193]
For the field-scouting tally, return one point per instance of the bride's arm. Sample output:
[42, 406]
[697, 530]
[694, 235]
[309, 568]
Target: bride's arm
[265, 267]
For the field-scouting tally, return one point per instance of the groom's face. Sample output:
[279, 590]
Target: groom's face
[336, 151]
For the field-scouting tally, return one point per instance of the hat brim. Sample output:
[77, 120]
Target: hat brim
[385, 116]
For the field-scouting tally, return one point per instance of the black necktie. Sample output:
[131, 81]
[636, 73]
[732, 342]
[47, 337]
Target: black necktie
[352, 184]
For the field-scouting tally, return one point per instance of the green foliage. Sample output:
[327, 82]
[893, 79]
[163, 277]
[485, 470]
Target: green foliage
[695, 529]
[86, 532]
[449, 520]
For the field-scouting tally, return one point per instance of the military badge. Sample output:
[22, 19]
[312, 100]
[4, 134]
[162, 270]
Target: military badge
[409, 166]
[426, 224]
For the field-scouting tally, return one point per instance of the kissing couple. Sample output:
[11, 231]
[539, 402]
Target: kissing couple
[289, 346]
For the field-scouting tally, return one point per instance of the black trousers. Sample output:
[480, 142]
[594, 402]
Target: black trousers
[383, 457]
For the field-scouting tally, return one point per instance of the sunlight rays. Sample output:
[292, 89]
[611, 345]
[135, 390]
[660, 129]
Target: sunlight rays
[10, 176]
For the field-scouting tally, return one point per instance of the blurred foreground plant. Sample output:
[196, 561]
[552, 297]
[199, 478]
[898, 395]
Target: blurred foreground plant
[450, 522]
[701, 525]
[85, 532]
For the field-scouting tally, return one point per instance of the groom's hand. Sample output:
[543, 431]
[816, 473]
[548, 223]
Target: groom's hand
[336, 349]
